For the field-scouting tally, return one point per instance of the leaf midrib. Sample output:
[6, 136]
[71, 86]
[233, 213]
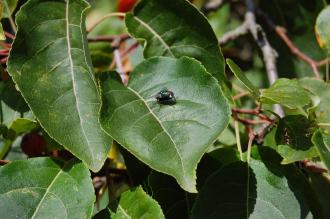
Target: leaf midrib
[162, 41]
[47, 191]
[164, 129]
[73, 78]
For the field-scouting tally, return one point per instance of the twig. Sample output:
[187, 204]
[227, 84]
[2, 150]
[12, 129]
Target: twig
[99, 181]
[265, 121]
[252, 122]
[5, 45]
[232, 35]
[269, 54]
[118, 61]
[129, 50]
[9, 35]
[4, 162]
[4, 60]
[115, 14]
[119, 65]
[281, 32]
[313, 167]
[212, 5]
[124, 54]
[250, 25]
[248, 122]
[256, 112]
[4, 52]
[122, 37]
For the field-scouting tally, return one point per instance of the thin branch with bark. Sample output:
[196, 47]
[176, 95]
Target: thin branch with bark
[234, 34]
[212, 5]
[115, 14]
[282, 33]
[110, 39]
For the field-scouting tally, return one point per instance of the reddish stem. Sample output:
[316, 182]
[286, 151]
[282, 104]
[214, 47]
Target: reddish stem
[4, 162]
[312, 167]
[4, 60]
[9, 35]
[281, 32]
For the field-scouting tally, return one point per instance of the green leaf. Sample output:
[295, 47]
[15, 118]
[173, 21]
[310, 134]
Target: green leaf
[175, 28]
[227, 138]
[240, 76]
[22, 125]
[134, 203]
[293, 136]
[291, 155]
[286, 92]
[321, 99]
[262, 190]
[44, 188]
[322, 142]
[60, 89]
[168, 138]
[8, 7]
[322, 28]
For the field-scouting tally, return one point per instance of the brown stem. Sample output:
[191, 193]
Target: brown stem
[256, 112]
[4, 162]
[114, 14]
[5, 45]
[129, 49]
[313, 167]
[281, 32]
[9, 35]
[4, 60]
[122, 37]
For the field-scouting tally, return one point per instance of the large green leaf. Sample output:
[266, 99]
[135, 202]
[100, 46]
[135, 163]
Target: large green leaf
[133, 204]
[169, 138]
[322, 142]
[50, 64]
[286, 92]
[175, 28]
[293, 136]
[322, 28]
[44, 188]
[263, 190]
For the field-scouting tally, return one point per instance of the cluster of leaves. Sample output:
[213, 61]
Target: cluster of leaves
[60, 108]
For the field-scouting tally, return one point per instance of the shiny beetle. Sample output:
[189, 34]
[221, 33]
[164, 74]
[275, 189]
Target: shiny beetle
[165, 97]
